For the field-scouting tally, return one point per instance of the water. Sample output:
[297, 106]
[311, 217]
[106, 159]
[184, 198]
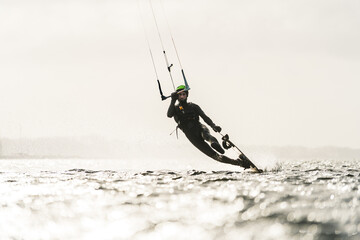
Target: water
[300, 200]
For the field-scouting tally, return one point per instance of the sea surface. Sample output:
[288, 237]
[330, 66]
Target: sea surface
[312, 199]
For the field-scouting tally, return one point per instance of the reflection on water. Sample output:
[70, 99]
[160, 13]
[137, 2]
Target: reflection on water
[308, 200]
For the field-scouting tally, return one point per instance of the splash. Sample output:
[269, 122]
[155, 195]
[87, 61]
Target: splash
[267, 162]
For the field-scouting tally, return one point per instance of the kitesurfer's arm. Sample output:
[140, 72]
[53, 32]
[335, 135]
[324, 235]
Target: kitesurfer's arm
[207, 119]
[171, 110]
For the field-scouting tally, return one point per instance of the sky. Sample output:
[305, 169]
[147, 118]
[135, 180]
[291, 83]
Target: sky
[278, 73]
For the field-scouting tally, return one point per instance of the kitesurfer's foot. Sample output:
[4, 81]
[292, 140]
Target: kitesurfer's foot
[243, 162]
[217, 147]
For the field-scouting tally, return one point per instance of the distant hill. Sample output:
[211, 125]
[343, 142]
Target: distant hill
[298, 152]
[99, 147]
[85, 147]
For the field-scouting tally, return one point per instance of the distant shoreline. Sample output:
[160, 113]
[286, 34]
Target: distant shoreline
[95, 147]
[30, 157]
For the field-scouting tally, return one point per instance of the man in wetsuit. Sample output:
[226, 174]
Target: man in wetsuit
[186, 115]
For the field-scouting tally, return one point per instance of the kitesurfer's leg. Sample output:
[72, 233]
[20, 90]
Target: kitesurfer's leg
[238, 162]
[200, 144]
[225, 159]
[205, 133]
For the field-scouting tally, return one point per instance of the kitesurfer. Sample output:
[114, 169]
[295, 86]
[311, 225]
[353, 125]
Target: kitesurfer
[187, 115]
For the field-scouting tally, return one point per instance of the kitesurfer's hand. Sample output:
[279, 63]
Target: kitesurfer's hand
[174, 96]
[217, 128]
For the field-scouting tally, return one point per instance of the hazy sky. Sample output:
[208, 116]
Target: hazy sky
[280, 72]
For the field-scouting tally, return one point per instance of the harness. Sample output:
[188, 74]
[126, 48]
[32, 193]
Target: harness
[186, 115]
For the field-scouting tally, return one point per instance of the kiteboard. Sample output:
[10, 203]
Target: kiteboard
[252, 167]
[245, 162]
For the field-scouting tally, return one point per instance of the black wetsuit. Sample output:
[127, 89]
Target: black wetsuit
[187, 117]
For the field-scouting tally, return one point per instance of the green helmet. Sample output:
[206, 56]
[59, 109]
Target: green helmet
[180, 88]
